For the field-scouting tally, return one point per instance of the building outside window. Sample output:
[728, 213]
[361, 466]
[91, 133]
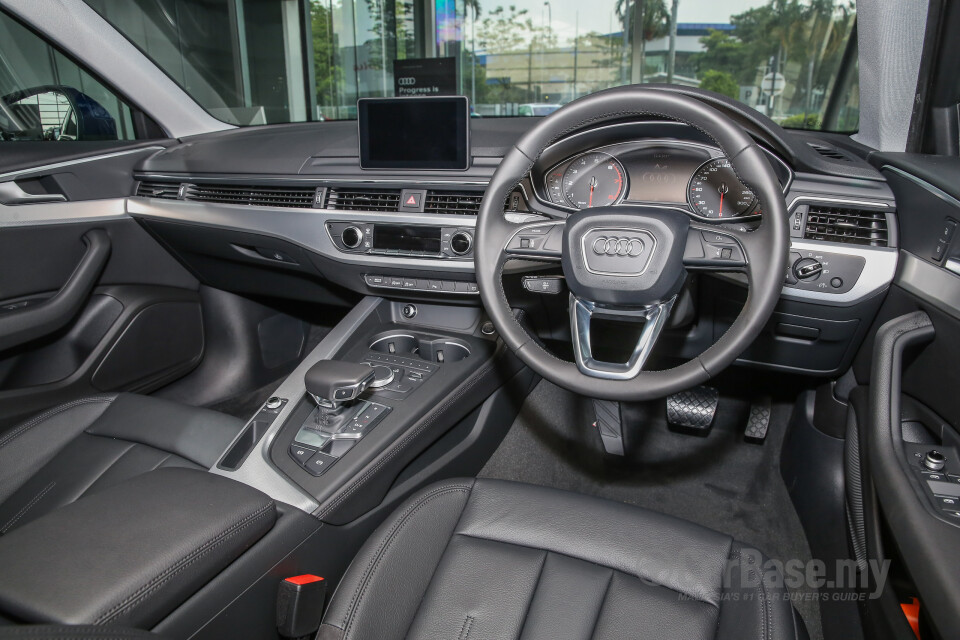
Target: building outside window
[265, 61]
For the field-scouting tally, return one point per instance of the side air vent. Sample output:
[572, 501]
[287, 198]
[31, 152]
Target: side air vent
[260, 196]
[852, 226]
[168, 190]
[460, 203]
[364, 199]
[829, 152]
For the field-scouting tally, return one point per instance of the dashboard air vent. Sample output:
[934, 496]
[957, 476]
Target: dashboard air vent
[852, 226]
[168, 190]
[460, 203]
[364, 199]
[261, 196]
[829, 152]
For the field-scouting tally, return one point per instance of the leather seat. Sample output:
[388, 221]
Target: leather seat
[86, 445]
[482, 559]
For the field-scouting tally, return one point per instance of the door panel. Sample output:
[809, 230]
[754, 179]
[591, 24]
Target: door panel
[909, 406]
[132, 321]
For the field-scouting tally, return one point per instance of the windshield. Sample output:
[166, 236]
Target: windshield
[269, 61]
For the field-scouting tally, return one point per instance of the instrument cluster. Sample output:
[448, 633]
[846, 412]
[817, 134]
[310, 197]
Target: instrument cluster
[688, 175]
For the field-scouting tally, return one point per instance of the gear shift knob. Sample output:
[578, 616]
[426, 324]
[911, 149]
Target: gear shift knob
[332, 382]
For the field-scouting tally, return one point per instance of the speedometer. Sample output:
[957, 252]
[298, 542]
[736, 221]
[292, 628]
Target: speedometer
[594, 180]
[716, 192]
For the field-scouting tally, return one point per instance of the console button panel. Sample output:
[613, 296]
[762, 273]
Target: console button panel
[316, 449]
[941, 487]
[421, 284]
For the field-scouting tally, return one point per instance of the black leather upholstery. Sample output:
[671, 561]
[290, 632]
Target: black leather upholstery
[481, 559]
[131, 553]
[74, 632]
[83, 446]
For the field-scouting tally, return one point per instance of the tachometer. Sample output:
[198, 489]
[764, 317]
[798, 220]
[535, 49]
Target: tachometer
[716, 192]
[594, 180]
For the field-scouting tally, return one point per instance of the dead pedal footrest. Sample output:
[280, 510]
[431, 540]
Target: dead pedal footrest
[693, 410]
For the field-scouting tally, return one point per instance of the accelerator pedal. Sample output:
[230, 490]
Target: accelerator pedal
[758, 421]
[610, 425]
[692, 411]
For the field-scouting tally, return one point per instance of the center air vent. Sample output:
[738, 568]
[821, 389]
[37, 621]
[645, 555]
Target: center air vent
[301, 197]
[167, 190]
[852, 226]
[463, 203]
[363, 199]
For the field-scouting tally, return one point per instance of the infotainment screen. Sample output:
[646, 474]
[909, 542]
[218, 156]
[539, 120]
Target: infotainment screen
[414, 133]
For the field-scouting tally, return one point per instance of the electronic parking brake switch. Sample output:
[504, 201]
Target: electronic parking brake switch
[339, 420]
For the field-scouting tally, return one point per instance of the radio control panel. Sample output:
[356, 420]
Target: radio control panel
[402, 240]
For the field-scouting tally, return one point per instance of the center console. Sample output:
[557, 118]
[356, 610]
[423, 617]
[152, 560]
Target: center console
[389, 382]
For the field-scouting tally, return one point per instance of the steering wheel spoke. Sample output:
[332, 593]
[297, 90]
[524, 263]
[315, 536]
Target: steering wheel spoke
[582, 313]
[536, 240]
[713, 248]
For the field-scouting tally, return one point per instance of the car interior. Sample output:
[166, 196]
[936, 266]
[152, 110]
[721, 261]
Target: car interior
[462, 320]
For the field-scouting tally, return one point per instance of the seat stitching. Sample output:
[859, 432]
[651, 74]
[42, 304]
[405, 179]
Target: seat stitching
[764, 610]
[410, 437]
[155, 583]
[381, 551]
[26, 426]
[465, 628]
[27, 507]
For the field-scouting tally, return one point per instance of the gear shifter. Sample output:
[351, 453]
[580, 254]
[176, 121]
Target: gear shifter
[334, 385]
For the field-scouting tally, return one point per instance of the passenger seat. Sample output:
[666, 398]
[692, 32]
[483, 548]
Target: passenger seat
[86, 445]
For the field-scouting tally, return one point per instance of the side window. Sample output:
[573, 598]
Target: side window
[46, 96]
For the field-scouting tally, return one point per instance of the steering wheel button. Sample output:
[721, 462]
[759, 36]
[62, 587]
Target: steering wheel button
[717, 238]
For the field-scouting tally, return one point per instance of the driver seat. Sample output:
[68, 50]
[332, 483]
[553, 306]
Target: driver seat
[478, 559]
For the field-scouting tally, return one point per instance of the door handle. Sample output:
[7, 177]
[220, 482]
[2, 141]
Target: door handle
[11, 193]
[38, 320]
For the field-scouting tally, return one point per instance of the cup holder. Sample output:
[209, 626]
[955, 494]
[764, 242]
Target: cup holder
[437, 350]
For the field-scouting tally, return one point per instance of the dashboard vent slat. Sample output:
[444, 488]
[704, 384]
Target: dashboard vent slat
[851, 226]
[153, 189]
[829, 152]
[363, 199]
[261, 196]
[462, 203]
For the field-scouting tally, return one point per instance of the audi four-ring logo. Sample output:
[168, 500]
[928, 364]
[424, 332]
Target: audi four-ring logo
[614, 246]
[406, 82]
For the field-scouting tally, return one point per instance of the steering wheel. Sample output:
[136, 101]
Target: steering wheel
[629, 262]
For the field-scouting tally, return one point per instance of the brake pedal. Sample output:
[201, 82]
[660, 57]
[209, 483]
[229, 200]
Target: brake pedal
[692, 411]
[610, 425]
[758, 421]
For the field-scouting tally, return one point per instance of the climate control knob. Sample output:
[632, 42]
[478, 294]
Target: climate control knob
[461, 243]
[351, 237]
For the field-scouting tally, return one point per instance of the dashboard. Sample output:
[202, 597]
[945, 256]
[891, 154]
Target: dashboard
[287, 211]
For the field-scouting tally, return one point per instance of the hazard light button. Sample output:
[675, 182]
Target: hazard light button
[412, 200]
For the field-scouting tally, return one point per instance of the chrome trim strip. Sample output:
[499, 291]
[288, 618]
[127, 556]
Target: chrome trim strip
[45, 213]
[873, 204]
[877, 274]
[258, 471]
[13, 175]
[654, 318]
[304, 227]
[930, 283]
